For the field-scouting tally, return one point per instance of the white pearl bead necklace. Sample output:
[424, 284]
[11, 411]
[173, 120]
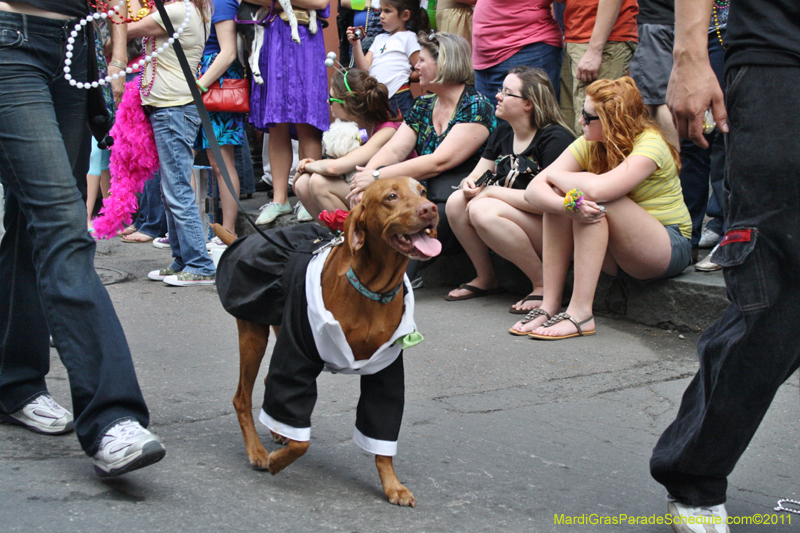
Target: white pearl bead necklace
[147, 59]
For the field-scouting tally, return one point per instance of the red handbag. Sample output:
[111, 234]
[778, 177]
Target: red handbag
[228, 96]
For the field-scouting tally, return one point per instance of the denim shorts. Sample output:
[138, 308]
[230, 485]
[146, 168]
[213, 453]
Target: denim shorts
[680, 259]
[652, 62]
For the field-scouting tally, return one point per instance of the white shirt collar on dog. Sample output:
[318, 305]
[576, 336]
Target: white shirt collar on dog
[329, 337]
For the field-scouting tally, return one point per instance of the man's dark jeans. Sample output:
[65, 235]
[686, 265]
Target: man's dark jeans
[49, 285]
[747, 354]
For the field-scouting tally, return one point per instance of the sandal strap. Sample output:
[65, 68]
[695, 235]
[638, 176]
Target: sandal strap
[564, 316]
[535, 313]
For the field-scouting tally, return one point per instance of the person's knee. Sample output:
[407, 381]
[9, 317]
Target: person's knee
[317, 185]
[301, 185]
[456, 204]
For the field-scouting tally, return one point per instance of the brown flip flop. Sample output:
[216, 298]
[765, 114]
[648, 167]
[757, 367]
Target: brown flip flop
[136, 237]
[528, 298]
[475, 292]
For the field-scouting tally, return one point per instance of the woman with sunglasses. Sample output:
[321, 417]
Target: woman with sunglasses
[448, 129]
[612, 202]
[497, 217]
[358, 97]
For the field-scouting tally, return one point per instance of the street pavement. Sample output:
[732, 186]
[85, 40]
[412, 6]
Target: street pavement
[500, 433]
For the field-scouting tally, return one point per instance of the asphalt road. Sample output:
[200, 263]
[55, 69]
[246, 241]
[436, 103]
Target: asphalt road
[500, 433]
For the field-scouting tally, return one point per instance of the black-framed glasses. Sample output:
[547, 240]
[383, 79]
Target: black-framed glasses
[505, 92]
[587, 118]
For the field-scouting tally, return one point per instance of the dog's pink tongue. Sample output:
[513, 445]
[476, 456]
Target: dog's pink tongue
[427, 245]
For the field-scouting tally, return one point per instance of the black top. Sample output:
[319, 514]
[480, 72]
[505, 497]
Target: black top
[763, 33]
[74, 8]
[656, 12]
[546, 146]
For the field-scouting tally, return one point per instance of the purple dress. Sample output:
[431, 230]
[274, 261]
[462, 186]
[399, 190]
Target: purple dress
[295, 88]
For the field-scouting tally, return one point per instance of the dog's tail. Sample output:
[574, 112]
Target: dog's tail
[224, 235]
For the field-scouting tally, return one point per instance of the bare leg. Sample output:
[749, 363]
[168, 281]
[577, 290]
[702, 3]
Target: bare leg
[478, 252]
[329, 194]
[557, 253]
[280, 158]
[252, 345]
[309, 141]
[591, 243]
[301, 186]
[395, 492]
[105, 183]
[230, 209]
[515, 235]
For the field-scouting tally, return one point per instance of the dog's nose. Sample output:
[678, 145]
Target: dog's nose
[428, 210]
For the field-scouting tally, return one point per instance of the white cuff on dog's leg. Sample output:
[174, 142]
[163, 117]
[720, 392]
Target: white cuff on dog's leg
[375, 446]
[298, 434]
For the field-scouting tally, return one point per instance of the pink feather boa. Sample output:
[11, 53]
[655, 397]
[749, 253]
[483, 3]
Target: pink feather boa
[133, 161]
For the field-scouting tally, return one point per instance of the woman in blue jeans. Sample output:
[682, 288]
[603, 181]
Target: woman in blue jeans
[168, 102]
[49, 285]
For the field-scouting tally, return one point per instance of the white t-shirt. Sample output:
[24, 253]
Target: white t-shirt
[391, 63]
[170, 87]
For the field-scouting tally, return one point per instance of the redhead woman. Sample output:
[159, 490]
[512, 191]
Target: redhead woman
[497, 217]
[612, 202]
[358, 97]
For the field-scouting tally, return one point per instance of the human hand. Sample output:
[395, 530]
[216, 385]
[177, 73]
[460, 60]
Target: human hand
[469, 188]
[351, 35]
[588, 213]
[361, 180]
[589, 66]
[301, 166]
[117, 85]
[694, 88]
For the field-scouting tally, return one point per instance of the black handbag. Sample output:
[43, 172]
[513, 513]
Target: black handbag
[442, 186]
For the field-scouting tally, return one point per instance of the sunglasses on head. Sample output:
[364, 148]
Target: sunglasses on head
[332, 100]
[432, 37]
[587, 118]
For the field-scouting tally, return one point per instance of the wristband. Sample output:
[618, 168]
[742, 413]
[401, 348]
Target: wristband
[202, 89]
[117, 63]
[358, 5]
[573, 200]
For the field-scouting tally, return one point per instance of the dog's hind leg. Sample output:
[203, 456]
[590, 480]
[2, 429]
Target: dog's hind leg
[287, 8]
[395, 492]
[282, 458]
[312, 21]
[252, 346]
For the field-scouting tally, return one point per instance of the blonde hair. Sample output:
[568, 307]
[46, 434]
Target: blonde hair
[538, 90]
[452, 54]
[624, 117]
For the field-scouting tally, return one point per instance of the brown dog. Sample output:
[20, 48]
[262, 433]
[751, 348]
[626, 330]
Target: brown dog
[394, 222]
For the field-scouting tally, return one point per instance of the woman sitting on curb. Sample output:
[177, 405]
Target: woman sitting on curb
[612, 202]
[354, 96]
[497, 217]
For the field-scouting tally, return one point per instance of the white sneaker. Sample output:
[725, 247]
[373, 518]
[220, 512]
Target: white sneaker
[271, 211]
[301, 213]
[216, 242]
[708, 239]
[159, 275]
[706, 265]
[42, 415]
[687, 519]
[127, 446]
[186, 279]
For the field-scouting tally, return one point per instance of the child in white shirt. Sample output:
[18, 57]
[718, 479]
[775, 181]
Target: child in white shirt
[392, 55]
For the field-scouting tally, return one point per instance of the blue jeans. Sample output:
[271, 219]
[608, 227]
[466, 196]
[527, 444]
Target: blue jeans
[244, 166]
[699, 166]
[401, 102]
[539, 55]
[755, 347]
[151, 220]
[175, 130]
[47, 257]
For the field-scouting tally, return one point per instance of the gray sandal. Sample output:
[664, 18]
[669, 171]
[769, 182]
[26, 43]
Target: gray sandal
[559, 318]
[530, 316]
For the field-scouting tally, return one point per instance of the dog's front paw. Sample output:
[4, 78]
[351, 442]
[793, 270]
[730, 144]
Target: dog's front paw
[401, 496]
[259, 460]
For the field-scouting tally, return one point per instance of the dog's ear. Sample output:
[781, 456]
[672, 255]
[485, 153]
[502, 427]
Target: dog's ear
[355, 227]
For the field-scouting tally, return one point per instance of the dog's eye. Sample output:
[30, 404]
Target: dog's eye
[392, 196]
[423, 192]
